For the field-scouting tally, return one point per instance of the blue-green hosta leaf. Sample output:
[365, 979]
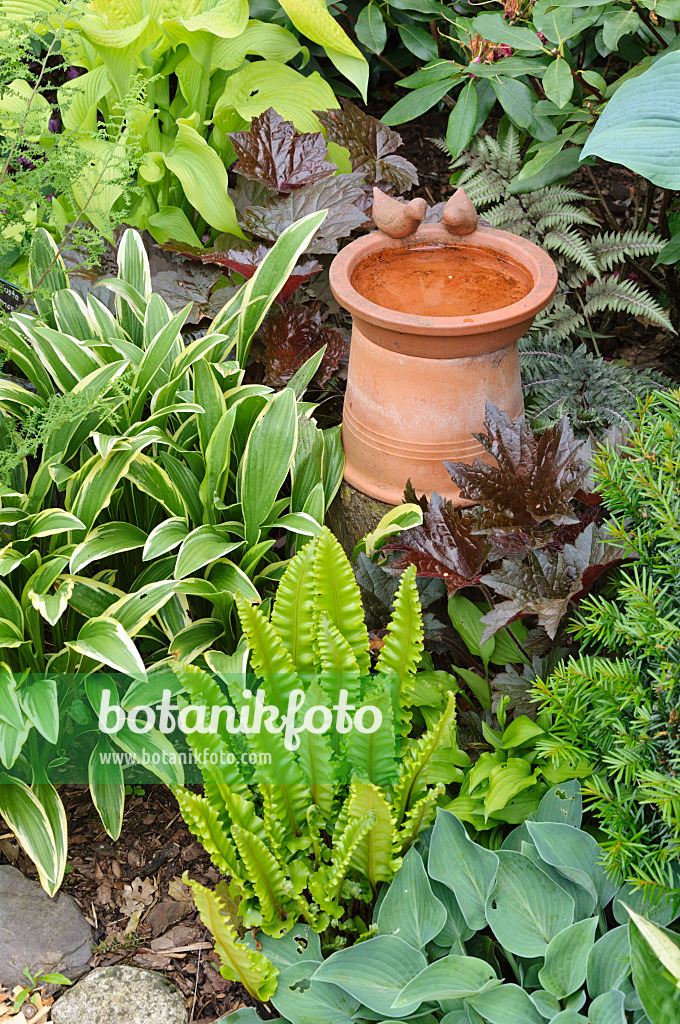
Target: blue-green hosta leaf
[607, 1009]
[609, 962]
[506, 1004]
[658, 908]
[526, 908]
[566, 957]
[563, 803]
[466, 868]
[640, 126]
[296, 946]
[576, 855]
[375, 972]
[410, 909]
[302, 999]
[451, 977]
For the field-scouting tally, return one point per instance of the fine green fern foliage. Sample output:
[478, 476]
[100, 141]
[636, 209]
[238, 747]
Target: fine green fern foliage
[618, 705]
[310, 832]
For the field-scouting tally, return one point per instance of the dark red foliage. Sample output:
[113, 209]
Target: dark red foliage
[290, 338]
[274, 152]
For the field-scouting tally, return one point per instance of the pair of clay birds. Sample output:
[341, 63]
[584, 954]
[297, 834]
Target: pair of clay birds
[398, 219]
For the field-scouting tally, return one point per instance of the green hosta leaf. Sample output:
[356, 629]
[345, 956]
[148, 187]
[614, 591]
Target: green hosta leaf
[410, 908]
[609, 962]
[300, 945]
[10, 708]
[105, 540]
[466, 618]
[155, 751]
[398, 519]
[28, 820]
[576, 855]
[301, 999]
[607, 1009]
[655, 957]
[267, 460]
[657, 907]
[375, 972]
[462, 120]
[107, 786]
[526, 909]
[466, 868]
[39, 702]
[204, 544]
[166, 536]
[268, 83]
[371, 29]
[314, 20]
[452, 977]
[105, 641]
[640, 126]
[557, 82]
[505, 782]
[51, 521]
[203, 177]
[506, 1004]
[566, 957]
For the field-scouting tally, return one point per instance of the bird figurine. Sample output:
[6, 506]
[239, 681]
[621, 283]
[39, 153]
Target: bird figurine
[395, 218]
[459, 216]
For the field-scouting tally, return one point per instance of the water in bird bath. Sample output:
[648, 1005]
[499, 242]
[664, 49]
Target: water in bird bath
[441, 280]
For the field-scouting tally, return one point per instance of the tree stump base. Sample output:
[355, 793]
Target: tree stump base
[352, 515]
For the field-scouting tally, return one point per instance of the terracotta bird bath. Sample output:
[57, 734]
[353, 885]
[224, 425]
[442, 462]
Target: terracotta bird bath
[437, 312]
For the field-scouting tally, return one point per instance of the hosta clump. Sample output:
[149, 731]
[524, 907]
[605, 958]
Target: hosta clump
[619, 703]
[143, 485]
[534, 932]
[311, 834]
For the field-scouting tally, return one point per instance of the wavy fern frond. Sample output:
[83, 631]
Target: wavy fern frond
[376, 855]
[556, 217]
[273, 890]
[627, 297]
[326, 885]
[561, 320]
[268, 655]
[339, 667]
[403, 647]
[615, 247]
[574, 247]
[204, 822]
[544, 200]
[372, 755]
[293, 613]
[338, 596]
[411, 783]
[420, 817]
[316, 755]
[239, 963]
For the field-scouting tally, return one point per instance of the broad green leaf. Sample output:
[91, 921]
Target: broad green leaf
[566, 957]
[506, 1004]
[557, 82]
[419, 41]
[517, 101]
[105, 641]
[105, 540]
[496, 29]
[171, 224]
[78, 99]
[268, 83]
[659, 907]
[451, 977]
[576, 855]
[607, 1009]
[10, 707]
[267, 460]
[609, 962]
[163, 538]
[655, 957]
[201, 546]
[563, 803]
[526, 909]
[410, 909]
[466, 618]
[506, 781]
[462, 120]
[107, 787]
[203, 177]
[640, 126]
[39, 701]
[466, 868]
[314, 20]
[51, 521]
[371, 29]
[619, 23]
[28, 820]
[419, 101]
[375, 972]
[301, 998]
[398, 519]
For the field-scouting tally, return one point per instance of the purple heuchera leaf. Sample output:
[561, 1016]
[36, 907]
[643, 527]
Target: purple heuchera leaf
[546, 585]
[274, 152]
[371, 144]
[442, 546]
[530, 487]
[292, 337]
[246, 262]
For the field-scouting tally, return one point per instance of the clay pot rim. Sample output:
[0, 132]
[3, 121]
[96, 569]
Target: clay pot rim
[531, 258]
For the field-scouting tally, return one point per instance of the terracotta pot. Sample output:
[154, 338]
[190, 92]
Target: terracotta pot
[417, 385]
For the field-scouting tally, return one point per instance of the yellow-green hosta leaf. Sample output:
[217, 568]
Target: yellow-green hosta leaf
[314, 20]
[273, 42]
[52, 606]
[78, 99]
[269, 83]
[225, 19]
[172, 224]
[203, 177]
[22, 110]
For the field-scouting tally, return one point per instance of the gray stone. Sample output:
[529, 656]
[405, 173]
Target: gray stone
[38, 932]
[121, 995]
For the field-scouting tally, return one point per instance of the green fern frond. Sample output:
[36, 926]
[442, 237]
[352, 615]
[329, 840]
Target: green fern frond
[338, 596]
[339, 667]
[402, 650]
[420, 816]
[557, 217]
[293, 613]
[574, 247]
[203, 821]
[627, 297]
[372, 755]
[411, 783]
[268, 655]
[376, 855]
[316, 755]
[326, 885]
[273, 890]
